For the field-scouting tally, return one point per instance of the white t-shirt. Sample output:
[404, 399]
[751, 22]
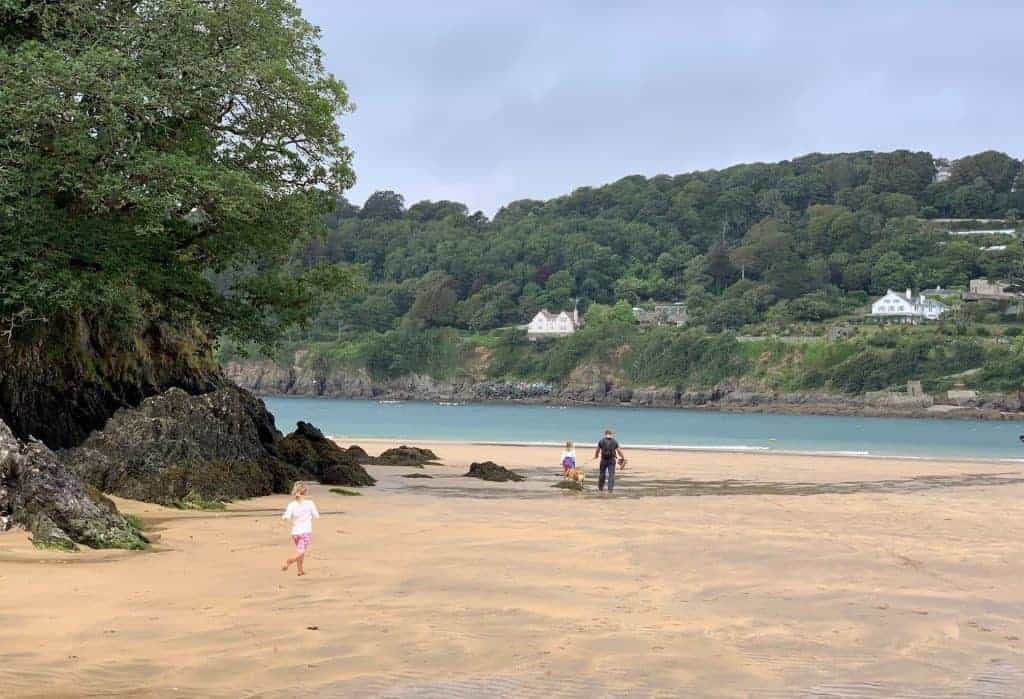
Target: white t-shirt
[301, 513]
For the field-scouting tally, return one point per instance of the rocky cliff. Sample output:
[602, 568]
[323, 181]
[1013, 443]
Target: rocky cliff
[62, 378]
[589, 386]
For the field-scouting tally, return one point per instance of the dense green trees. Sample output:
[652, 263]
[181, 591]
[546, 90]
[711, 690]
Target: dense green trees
[160, 159]
[814, 237]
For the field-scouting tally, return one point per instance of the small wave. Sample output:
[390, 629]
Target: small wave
[646, 447]
[800, 452]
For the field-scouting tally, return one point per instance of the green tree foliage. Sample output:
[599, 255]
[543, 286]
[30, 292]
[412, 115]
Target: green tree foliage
[409, 350]
[817, 234]
[997, 170]
[901, 172]
[435, 300]
[384, 206]
[162, 158]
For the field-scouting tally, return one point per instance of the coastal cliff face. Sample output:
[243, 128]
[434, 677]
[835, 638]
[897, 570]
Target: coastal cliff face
[65, 377]
[591, 387]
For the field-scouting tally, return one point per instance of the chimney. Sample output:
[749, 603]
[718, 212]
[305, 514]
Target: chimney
[576, 313]
[910, 296]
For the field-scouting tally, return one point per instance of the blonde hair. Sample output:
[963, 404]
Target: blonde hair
[299, 489]
[568, 446]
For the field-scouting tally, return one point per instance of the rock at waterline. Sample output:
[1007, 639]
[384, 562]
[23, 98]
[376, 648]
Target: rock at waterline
[45, 496]
[568, 485]
[308, 449]
[404, 456]
[211, 447]
[416, 475]
[490, 471]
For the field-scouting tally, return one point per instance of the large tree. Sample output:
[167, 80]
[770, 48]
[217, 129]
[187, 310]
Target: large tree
[151, 148]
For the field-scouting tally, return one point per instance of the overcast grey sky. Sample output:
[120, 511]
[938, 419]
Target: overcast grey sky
[488, 102]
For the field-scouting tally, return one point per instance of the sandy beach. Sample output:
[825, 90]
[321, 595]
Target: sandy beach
[788, 576]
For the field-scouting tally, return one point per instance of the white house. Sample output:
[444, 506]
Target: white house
[548, 324]
[905, 308]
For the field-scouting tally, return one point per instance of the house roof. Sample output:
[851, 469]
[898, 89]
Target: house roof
[548, 315]
[918, 301]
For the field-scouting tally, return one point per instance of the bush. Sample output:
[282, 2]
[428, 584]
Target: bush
[690, 358]
[888, 360]
[820, 305]
[410, 349]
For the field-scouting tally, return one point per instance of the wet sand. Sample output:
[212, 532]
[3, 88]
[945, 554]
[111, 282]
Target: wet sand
[707, 574]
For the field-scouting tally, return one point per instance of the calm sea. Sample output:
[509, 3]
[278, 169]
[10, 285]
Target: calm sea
[536, 424]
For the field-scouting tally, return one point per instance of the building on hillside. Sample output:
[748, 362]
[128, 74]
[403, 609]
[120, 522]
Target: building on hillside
[906, 308]
[943, 173]
[985, 290]
[662, 314]
[548, 324]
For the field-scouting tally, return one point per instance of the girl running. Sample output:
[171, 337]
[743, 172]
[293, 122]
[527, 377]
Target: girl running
[301, 512]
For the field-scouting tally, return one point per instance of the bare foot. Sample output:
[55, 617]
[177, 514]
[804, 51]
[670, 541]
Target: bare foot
[303, 573]
[284, 567]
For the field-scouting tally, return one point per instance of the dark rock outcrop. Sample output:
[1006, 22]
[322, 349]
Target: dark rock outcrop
[490, 471]
[62, 378]
[45, 496]
[416, 475]
[404, 456]
[176, 447]
[308, 449]
[358, 453]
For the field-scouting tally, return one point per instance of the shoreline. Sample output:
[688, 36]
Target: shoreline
[666, 451]
[345, 440]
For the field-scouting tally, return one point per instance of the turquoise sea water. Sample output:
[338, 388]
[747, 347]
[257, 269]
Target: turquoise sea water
[655, 427]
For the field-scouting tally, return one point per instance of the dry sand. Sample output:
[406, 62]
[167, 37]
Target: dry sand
[869, 585]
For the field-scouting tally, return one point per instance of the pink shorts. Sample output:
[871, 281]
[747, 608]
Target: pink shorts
[301, 542]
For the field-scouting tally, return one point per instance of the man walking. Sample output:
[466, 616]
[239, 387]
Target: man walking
[610, 452]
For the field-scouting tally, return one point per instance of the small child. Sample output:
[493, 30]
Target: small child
[301, 512]
[568, 458]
